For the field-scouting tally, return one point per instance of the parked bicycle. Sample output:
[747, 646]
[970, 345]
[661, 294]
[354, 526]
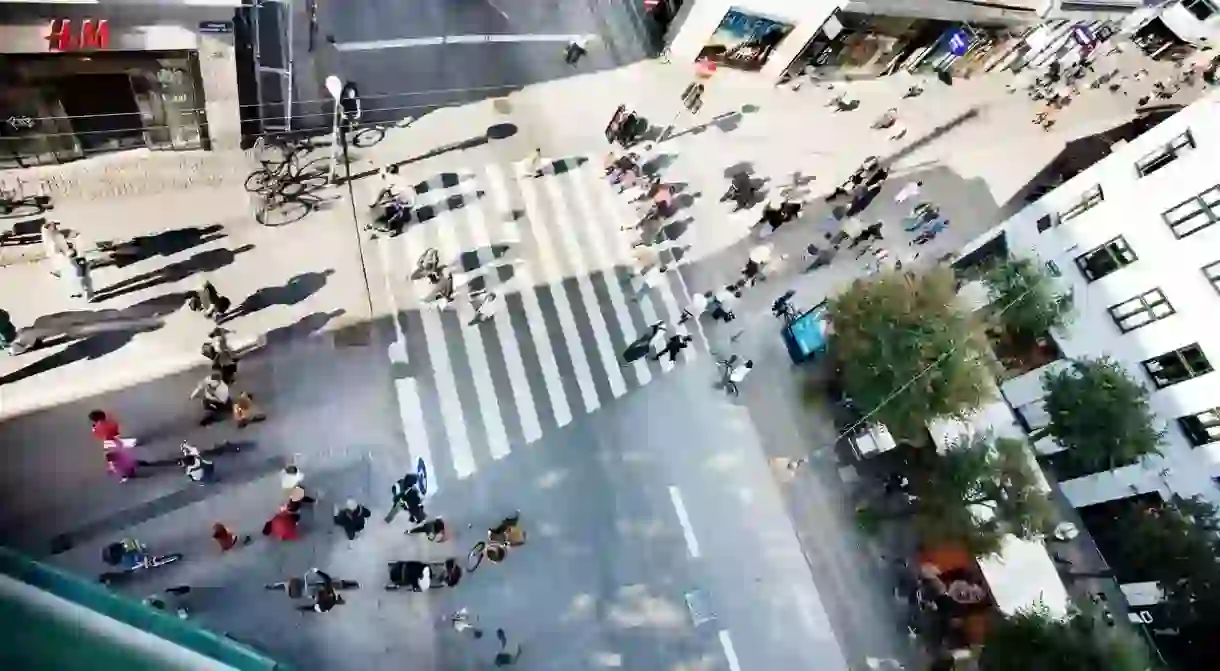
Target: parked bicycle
[281, 170]
[131, 556]
[508, 533]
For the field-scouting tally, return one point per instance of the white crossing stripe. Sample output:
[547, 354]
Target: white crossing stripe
[581, 268]
[537, 325]
[531, 428]
[611, 245]
[554, 274]
[406, 390]
[485, 390]
[416, 239]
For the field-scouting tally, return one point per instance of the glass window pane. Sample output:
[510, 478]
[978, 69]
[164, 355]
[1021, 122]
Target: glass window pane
[1161, 310]
[1135, 321]
[1182, 212]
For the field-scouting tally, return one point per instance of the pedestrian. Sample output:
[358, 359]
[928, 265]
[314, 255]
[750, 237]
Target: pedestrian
[198, 469]
[908, 191]
[574, 51]
[245, 412]
[872, 232]
[697, 306]
[434, 530]
[217, 351]
[226, 538]
[351, 518]
[408, 496]
[462, 622]
[651, 278]
[207, 300]
[106, 429]
[121, 464]
[297, 500]
[673, 346]
[442, 294]
[8, 332]
[485, 304]
[55, 247]
[504, 657]
[214, 394]
[723, 303]
[78, 277]
[282, 526]
[535, 164]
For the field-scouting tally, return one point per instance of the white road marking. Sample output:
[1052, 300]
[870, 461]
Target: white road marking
[537, 324]
[531, 428]
[485, 391]
[438, 348]
[692, 543]
[729, 653]
[577, 262]
[554, 276]
[405, 42]
[406, 390]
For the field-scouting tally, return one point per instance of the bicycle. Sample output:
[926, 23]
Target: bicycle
[299, 587]
[148, 562]
[277, 201]
[500, 538]
[280, 171]
[730, 368]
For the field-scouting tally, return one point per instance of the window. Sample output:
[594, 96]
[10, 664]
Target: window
[1140, 311]
[1212, 272]
[1107, 258]
[1201, 428]
[1177, 366]
[1165, 155]
[1090, 198]
[1201, 9]
[1195, 214]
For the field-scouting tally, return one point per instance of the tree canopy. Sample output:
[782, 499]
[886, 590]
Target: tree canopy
[1026, 300]
[1178, 546]
[1100, 414]
[908, 352]
[974, 493]
[1034, 639]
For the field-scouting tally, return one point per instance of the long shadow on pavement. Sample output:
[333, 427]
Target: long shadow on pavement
[291, 292]
[203, 262]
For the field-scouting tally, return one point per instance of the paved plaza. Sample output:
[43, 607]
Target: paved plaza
[662, 533]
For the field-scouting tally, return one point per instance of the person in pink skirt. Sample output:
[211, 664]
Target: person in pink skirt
[121, 463]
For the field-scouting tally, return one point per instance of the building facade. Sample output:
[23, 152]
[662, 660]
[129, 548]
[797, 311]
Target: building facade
[83, 79]
[1135, 239]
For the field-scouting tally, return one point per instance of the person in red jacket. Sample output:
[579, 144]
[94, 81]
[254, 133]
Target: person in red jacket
[283, 526]
[105, 428]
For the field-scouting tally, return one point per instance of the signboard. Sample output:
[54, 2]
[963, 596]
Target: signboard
[215, 26]
[421, 471]
[744, 41]
[91, 35]
[958, 41]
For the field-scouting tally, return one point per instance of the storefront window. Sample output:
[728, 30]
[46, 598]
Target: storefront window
[72, 106]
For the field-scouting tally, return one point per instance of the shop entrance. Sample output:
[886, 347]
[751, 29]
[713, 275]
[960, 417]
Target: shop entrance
[102, 110]
[851, 45]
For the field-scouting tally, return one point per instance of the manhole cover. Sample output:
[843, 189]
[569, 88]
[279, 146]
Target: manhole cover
[700, 607]
[502, 106]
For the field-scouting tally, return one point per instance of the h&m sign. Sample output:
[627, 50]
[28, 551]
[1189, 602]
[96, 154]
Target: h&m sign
[85, 35]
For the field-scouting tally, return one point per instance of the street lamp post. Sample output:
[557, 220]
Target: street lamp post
[334, 86]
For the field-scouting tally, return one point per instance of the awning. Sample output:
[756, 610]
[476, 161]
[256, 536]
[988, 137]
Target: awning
[1022, 576]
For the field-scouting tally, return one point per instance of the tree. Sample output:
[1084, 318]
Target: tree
[906, 351]
[1178, 546]
[1026, 298]
[974, 493]
[1034, 639]
[1099, 414]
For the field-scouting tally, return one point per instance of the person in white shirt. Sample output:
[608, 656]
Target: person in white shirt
[907, 192]
[697, 306]
[392, 188]
[214, 394]
[485, 304]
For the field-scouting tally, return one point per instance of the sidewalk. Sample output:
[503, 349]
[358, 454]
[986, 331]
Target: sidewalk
[307, 268]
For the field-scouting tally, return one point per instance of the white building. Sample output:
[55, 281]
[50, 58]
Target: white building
[1133, 238]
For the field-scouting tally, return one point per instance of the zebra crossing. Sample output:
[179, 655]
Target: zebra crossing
[552, 249]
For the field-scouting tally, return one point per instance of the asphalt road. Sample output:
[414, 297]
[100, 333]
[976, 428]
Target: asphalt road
[376, 44]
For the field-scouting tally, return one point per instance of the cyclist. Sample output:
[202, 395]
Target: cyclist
[325, 596]
[128, 554]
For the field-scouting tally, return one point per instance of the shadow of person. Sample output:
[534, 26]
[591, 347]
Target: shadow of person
[203, 262]
[91, 347]
[303, 327]
[291, 292]
[53, 329]
[165, 243]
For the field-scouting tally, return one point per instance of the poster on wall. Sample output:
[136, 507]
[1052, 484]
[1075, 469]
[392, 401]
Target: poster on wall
[744, 41]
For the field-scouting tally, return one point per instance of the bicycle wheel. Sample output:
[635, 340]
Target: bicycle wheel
[258, 181]
[475, 557]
